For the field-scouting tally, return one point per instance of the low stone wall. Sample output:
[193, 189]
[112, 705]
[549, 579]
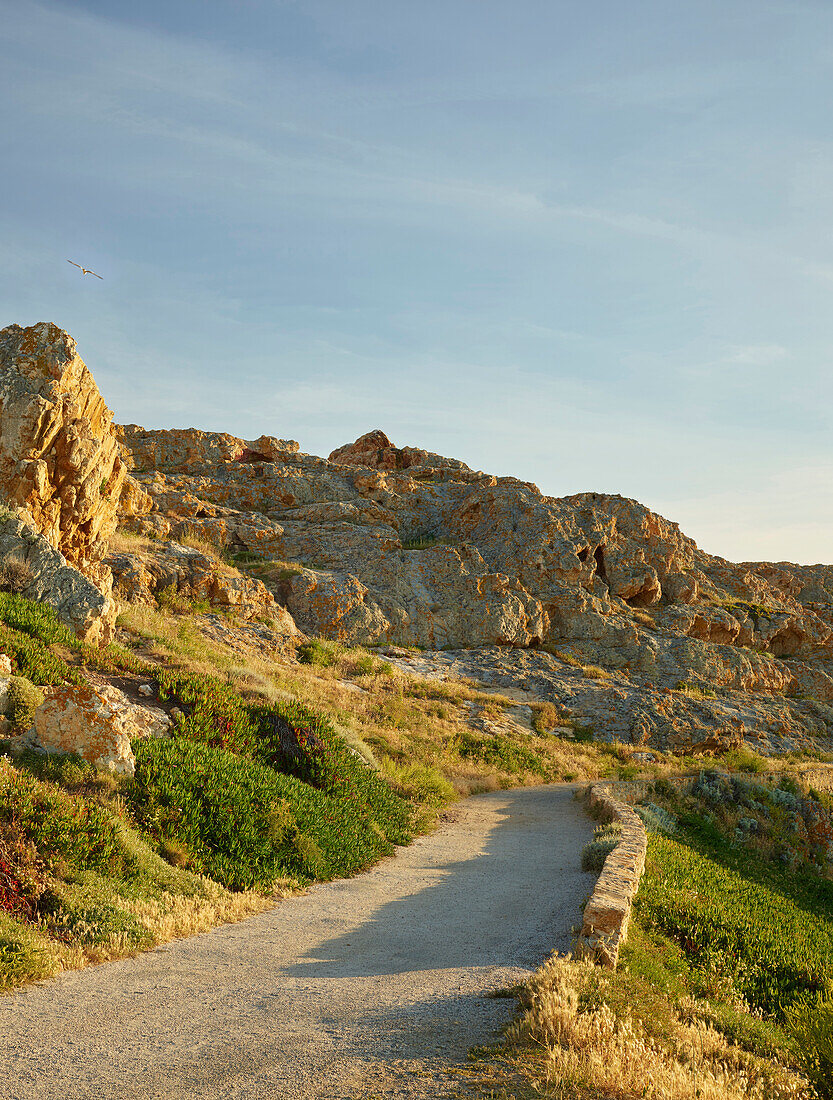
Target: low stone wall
[607, 913]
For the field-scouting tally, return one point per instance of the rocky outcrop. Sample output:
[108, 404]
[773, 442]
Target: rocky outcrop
[376, 451]
[31, 565]
[649, 639]
[59, 456]
[144, 575]
[97, 723]
[191, 449]
[402, 546]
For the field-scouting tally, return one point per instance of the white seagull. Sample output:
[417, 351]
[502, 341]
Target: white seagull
[84, 269]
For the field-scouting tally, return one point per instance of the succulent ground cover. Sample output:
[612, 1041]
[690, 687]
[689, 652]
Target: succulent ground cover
[248, 796]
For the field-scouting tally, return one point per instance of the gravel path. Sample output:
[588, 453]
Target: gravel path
[367, 987]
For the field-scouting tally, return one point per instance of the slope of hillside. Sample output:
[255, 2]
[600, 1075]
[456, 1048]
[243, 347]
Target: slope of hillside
[313, 657]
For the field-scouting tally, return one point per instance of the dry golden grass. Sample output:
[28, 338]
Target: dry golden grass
[125, 542]
[390, 715]
[165, 918]
[595, 672]
[571, 1043]
[200, 540]
[173, 916]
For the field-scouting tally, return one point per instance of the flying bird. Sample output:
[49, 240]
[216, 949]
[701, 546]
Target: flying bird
[84, 269]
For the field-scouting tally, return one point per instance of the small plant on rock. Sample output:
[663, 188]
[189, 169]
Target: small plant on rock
[15, 575]
[24, 699]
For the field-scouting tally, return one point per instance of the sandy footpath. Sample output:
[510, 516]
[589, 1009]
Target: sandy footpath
[368, 987]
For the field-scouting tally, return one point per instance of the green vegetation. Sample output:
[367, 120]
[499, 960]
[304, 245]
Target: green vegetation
[246, 825]
[596, 851]
[811, 1027]
[24, 699]
[735, 910]
[696, 691]
[724, 989]
[252, 791]
[769, 933]
[424, 542]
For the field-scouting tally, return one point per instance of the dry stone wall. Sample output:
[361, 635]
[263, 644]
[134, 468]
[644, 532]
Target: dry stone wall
[607, 913]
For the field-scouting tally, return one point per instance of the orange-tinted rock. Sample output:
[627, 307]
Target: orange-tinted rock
[375, 450]
[189, 448]
[97, 724]
[59, 456]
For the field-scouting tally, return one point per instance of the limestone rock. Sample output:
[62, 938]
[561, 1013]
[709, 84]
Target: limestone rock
[374, 449]
[336, 605]
[189, 448]
[396, 545]
[59, 456]
[138, 720]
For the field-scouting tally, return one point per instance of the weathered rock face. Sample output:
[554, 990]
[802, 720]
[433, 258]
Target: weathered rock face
[396, 545]
[414, 554]
[190, 449]
[376, 451]
[141, 577]
[42, 573]
[96, 723]
[59, 456]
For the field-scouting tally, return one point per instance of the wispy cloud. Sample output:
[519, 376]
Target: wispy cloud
[596, 257]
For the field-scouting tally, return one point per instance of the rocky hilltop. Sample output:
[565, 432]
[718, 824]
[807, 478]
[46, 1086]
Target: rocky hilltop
[589, 601]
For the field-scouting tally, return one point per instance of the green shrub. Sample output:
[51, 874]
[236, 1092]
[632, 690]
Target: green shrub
[769, 931]
[811, 1025]
[364, 665]
[23, 956]
[656, 819]
[71, 915]
[24, 700]
[424, 542]
[596, 851]
[22, 879]
[37, 620]
[241, 820]
[28, 630]
[60, 825]
[499, 751]
[745, 760]
[64, 768]
[420, 782]
[582, 732]
[319, 652]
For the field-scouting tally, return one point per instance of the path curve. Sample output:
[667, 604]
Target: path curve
[363, 987]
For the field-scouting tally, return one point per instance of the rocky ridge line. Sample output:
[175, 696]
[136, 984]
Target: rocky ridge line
[590, 601]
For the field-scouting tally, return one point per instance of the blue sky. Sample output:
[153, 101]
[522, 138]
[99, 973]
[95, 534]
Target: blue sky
[587, 244]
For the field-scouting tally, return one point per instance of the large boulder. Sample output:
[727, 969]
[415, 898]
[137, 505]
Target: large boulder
[97, 723]
[31, 566]
[143, 574]
[59, 456]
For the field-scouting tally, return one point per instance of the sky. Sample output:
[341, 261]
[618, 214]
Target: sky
[588, 244]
